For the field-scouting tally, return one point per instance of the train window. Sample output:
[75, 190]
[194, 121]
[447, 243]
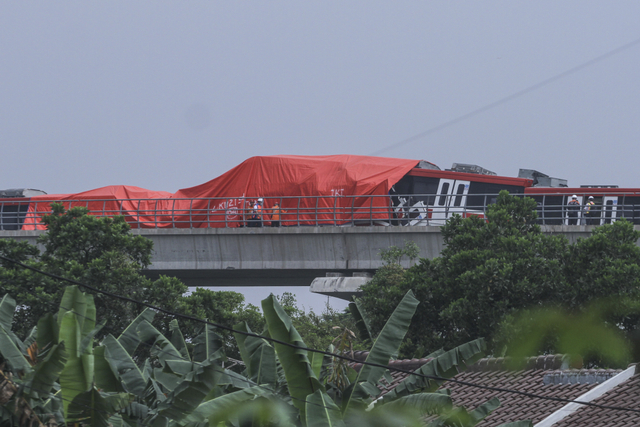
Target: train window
[426, 188]
[445, 191]
[630, 209]
[482, 194]
[403, 186]
[459, 192]
[607, 213]
[553, 210]
[12, 215]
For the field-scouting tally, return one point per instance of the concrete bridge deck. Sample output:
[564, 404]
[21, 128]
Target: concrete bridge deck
[288, 256]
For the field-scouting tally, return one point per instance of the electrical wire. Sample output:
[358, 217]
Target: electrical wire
[235, 375]
[508, 98]
[349, 359]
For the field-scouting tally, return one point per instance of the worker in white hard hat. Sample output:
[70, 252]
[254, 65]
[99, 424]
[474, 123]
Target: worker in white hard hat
[255, 220]
[590, 212]
[573, 207]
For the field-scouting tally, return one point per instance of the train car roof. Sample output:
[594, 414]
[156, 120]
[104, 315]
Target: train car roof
[493, 179]
[582, 190]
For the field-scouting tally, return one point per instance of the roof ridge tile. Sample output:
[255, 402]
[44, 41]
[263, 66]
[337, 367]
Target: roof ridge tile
[546, 362]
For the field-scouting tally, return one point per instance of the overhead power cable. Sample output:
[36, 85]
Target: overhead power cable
[349, 359]
[511, 97]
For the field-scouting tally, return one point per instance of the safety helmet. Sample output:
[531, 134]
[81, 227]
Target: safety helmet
[590, 197]
[574, 197]
[260, 200]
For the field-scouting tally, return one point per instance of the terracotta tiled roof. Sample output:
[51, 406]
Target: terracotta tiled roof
[547, 376]
[626, 395]
[541, 376]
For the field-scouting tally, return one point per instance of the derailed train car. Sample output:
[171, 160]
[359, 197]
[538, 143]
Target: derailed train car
[336, 190]
[430, 197]
[14, 205]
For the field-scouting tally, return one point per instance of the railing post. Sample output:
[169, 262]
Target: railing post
[209, 213]
[173, 214]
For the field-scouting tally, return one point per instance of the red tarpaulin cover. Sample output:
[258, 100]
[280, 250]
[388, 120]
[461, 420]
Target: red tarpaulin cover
[311, 189]
[137, 204]
[325, 181]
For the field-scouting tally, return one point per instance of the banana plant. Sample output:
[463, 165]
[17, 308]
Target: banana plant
[56, 375]
[309, 397]
[52, 370]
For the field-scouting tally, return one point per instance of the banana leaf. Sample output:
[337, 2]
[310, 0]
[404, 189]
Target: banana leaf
[385, 346]
[74, 379]
[301, 381]
[241, 342]
[7, 308]
[89, 323]
[129, 339]
[250, 406]
[461, 417]
[317, 360]
[484, 410]
[392, 416]
[179, 367]
[123, 366]
[163, 348]
[105, 377]
[46, 373]
[48, 332]
[362, 323]
[30, 338]
[191, 391]
[168, 380]
[74, 300]
[259, 357]
[321, 411]
[177, 339]
[446, 366]
[425, 403]
[11, 352]
[207, 345]
[212, 407]
[93, 409]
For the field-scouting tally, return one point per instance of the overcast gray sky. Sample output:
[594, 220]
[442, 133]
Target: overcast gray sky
[170, 95]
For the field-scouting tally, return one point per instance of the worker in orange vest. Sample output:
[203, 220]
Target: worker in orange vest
[276, 211]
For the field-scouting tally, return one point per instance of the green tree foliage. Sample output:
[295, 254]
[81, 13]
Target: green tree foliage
[318, 330]
[99, 252]
[222, 307]
[59, 376]
[51, 375]
[492, 267]
[605, 264]
[102, 253]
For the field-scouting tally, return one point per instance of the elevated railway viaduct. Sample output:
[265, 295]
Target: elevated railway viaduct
[336, 259]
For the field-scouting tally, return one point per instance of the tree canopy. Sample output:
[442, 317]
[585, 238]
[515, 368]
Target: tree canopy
[61, 375]
[102, 253]
[492, 267]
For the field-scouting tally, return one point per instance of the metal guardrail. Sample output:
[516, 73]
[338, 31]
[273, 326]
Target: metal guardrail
[411, 209]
